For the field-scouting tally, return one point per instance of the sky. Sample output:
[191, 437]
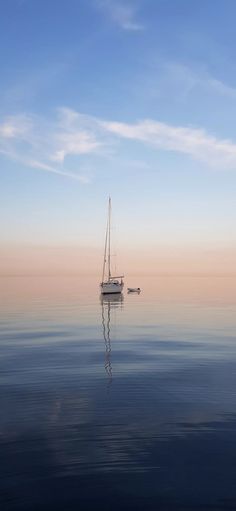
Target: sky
[133, 99]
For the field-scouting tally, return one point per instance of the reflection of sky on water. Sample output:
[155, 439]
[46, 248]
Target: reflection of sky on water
[164, 435]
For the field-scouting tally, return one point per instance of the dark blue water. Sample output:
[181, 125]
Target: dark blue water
[117, 404]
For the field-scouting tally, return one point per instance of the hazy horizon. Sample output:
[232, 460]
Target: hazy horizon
[55, 260]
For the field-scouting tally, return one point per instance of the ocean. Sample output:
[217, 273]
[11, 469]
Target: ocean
[118, 403]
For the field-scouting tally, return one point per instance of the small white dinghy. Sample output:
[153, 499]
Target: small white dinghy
[134, 289]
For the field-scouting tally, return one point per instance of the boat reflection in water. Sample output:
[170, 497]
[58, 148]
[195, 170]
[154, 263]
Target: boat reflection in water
[110, 303]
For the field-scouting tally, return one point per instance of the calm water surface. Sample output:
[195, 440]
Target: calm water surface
[117, 404]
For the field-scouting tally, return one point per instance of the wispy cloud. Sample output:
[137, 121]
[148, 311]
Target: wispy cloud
[191, 141]
[73, 137]
[48, 168]
[123, 13]
[15, 127]
[44, 145]
[187, 79]
[60, 144]
[221, 87]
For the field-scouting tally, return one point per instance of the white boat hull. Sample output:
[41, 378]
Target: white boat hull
[111, 287]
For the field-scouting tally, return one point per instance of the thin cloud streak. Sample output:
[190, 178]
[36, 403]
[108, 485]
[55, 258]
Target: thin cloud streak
[42, 166]
[191, 141]
[188, 79]
[121, 13]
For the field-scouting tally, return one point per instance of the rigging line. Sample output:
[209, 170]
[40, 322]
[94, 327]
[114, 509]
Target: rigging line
[109, 240]
[105, 250]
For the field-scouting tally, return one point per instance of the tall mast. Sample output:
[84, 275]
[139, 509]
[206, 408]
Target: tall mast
[109, 238]
[105, 250]
[107, 242]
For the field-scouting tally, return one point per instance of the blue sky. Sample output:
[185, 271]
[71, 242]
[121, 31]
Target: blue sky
[132, 98]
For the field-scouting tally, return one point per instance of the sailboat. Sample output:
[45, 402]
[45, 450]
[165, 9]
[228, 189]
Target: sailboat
[110, 284]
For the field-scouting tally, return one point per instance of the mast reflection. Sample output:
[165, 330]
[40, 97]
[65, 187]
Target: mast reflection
[109, 302]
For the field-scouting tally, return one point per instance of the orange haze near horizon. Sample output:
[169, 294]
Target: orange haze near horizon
[65, 260]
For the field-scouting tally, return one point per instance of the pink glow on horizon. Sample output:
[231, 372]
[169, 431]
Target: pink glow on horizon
[39, 260]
